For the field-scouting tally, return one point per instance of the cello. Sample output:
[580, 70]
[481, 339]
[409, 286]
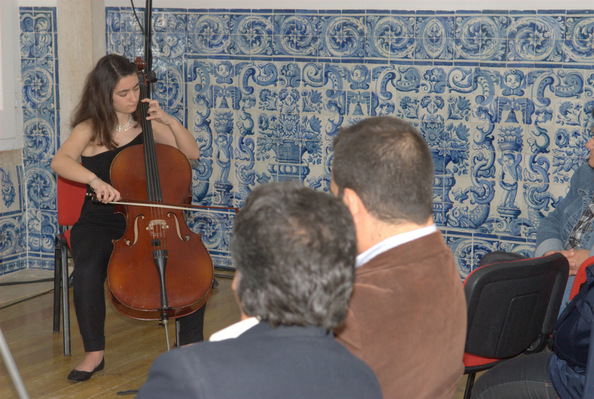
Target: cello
[159, 268]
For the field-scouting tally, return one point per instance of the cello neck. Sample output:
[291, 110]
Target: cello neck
[153, 184]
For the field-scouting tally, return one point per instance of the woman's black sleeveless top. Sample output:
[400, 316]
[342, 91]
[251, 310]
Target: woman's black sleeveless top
[94, 211]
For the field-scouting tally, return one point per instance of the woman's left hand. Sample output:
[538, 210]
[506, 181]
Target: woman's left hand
[168, 130]
[156, 113]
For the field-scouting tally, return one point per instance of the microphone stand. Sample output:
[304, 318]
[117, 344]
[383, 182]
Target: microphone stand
[148, 57]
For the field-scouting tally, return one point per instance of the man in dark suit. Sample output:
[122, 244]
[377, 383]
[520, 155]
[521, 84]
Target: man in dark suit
[294, 251]
[407, 316]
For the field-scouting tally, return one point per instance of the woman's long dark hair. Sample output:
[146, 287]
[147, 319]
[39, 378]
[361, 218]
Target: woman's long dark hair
[96, 103]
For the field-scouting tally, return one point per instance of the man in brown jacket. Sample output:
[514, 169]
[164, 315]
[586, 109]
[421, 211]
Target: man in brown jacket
[407, 315]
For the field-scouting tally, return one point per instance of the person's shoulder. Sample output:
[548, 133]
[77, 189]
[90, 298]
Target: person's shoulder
[84, 128]
[192, 353]
[583, 172]
[585, 168]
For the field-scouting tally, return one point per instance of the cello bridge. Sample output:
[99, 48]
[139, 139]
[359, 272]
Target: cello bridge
[157, 222]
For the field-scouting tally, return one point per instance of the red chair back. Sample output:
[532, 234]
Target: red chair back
[71, 196]
[580, 277]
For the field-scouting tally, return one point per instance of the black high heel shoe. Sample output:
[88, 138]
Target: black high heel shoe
[79, 376]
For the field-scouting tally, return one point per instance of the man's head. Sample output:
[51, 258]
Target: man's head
[386, 162]
[294, 250]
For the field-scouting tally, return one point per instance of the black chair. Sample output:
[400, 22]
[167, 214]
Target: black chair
[512, 309]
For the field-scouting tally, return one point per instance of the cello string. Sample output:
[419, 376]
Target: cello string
[153, 184]
[154, 194]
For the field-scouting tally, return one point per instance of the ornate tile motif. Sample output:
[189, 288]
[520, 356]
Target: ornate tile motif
[28, 235]
[503, 99]
[12, 207]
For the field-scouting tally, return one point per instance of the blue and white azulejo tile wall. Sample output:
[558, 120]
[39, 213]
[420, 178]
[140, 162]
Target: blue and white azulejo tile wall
[12, 205]
[502, 98]
[28, 220]
[39, 73]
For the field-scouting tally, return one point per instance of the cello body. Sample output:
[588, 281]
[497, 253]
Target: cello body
[159, 269]
[133, 278]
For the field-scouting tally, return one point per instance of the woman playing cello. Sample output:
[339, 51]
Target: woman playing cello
[105, 122]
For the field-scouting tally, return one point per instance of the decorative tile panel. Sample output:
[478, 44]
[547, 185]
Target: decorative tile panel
[12, 208]
[503, 99]
[39, 74]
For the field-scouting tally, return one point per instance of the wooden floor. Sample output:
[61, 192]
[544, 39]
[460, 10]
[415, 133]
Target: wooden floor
[131, 348]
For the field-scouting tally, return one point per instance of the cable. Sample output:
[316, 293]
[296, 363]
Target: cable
[43, 280]
[26, 299]
[137, 19]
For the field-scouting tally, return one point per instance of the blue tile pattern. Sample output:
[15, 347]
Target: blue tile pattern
[35, 225]
[502, 97]
[12, 213]
[27, 207]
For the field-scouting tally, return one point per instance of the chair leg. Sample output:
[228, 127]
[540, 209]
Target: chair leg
[469, 384]
[57, 276]
[65, 301]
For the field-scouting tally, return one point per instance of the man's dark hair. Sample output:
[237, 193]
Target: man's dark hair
[388, 164]
[294, 250]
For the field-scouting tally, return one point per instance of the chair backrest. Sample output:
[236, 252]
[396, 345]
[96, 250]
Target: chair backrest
[71, 196]
[512, 303]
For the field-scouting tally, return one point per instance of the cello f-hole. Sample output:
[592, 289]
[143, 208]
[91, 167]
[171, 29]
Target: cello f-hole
[130, 244]
[179, 233]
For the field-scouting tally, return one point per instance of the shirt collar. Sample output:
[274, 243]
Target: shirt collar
[393, 242]
[234, 330]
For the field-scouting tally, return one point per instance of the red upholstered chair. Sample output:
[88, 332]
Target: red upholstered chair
[512, 308]
[71, 196]
[580, 277]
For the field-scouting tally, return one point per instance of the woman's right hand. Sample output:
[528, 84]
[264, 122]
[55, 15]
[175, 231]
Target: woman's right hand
[104, 192]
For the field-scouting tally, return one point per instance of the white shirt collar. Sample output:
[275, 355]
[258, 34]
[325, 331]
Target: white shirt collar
[393, 242]
[234, 330]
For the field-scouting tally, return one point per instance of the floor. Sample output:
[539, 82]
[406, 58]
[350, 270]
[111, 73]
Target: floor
[132, 345]
[16, 292]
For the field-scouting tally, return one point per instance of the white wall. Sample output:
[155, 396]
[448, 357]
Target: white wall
[11, 120]
[81, 42]
[370, 4]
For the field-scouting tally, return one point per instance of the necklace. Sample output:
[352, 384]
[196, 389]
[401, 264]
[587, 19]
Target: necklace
[128, 125]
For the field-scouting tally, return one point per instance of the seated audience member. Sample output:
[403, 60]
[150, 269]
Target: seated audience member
[567, 229]
[407, 315]
[294, 251]
[566, 373]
